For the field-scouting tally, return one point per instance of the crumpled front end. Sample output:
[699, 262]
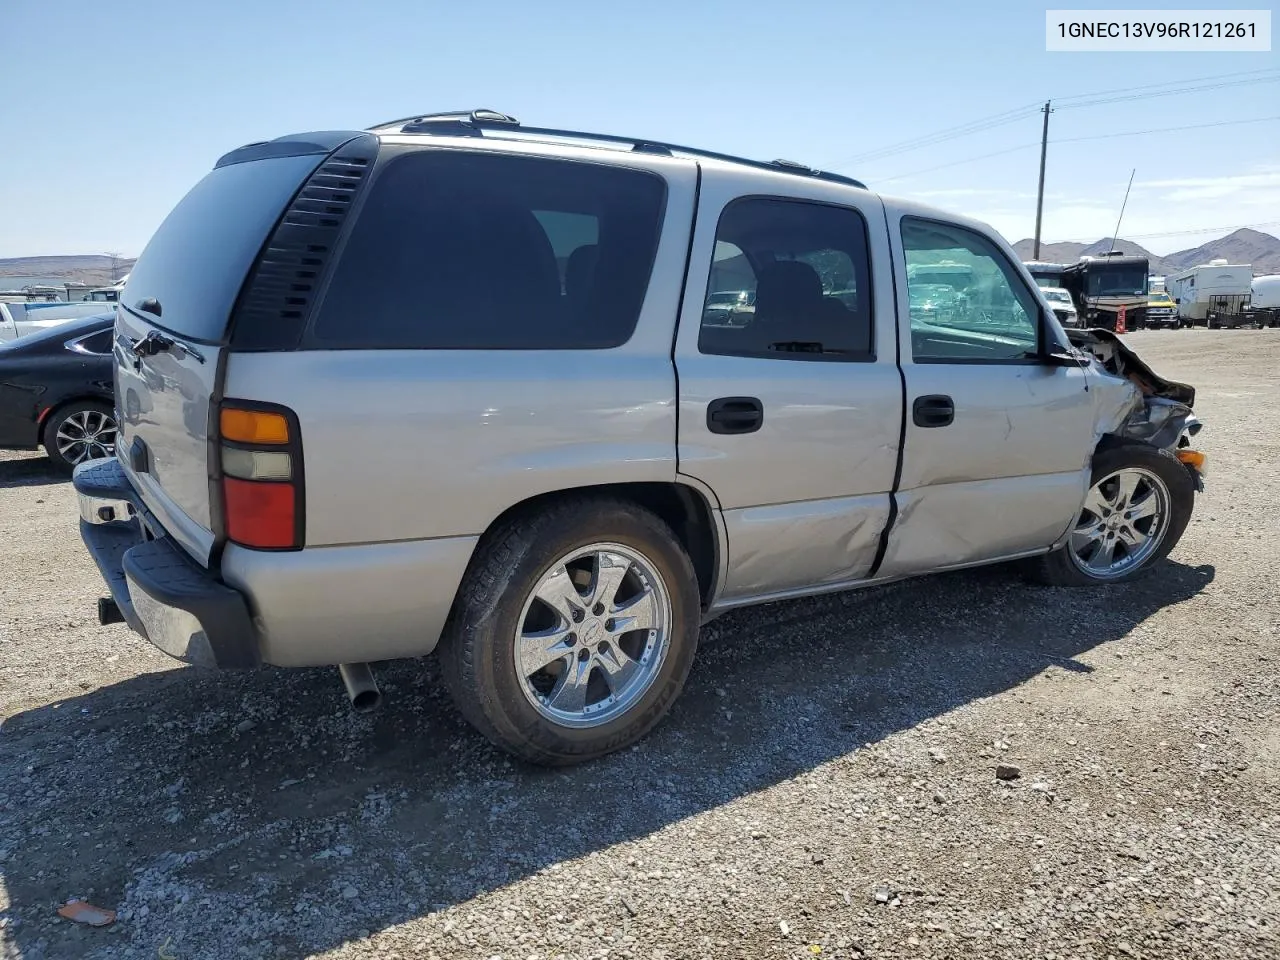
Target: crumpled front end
[1151, 409]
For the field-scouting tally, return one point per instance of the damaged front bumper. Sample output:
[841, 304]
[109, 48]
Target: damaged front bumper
[1159, 411]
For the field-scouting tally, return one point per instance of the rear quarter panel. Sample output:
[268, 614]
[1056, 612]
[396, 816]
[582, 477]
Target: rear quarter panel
[415, 444]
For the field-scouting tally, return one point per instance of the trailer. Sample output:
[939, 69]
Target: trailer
[1265, 305]
[1103, 286]
[1216, 294]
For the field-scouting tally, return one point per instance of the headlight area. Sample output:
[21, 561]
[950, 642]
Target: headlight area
[1194, 460]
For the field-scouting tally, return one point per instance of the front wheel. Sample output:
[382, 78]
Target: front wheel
[573, 631]
[1138, 505]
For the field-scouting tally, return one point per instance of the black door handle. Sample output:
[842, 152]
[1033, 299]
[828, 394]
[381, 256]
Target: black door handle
[735, 415]
[934, 410]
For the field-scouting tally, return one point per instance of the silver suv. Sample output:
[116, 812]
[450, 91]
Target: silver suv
[453, 382]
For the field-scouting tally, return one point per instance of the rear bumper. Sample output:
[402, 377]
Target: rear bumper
[163, 595]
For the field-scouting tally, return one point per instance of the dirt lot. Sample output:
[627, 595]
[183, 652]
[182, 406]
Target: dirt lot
[825, 787]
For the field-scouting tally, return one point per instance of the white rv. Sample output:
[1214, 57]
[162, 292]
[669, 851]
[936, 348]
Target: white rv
[1266, 292]
[1215, 291]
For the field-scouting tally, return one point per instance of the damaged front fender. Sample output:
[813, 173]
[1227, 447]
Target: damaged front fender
[1159, 413]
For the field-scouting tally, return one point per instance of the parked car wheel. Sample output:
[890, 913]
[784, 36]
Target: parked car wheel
[80, 431]
[573, 631]
[1139, 503]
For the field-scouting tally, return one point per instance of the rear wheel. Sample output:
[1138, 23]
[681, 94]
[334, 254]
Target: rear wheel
[1138, 505]
[80, 431]
[574, 630]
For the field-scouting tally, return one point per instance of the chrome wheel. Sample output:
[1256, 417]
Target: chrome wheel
[86, 435]
[1124, 519]
[593, 635]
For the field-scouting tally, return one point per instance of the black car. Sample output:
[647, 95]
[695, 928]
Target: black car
[56, 390]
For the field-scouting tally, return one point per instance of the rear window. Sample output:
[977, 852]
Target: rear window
[458, 250]
[195, 264]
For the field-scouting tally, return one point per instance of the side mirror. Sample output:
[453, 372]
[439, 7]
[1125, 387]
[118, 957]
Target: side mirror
[1060, 358]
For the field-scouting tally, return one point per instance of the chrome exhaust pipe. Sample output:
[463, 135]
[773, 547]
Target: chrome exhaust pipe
[362, 689]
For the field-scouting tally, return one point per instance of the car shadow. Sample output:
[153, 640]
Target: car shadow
[232, 812]
[30, 472]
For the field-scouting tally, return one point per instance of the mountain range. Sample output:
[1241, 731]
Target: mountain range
[92, 269]
[1261, 250]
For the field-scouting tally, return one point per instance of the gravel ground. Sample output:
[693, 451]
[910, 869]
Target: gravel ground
[827, 785]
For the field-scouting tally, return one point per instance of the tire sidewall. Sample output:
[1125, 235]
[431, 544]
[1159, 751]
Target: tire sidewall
[1177, 481]
[493, 633]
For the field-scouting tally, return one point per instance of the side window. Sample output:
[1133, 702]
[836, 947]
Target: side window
[97, 342]
[486, 251]
[789, 280]
[966, 302]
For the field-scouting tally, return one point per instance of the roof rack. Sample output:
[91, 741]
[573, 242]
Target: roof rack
[474, 123]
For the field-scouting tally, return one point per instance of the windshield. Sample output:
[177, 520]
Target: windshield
[1117, 281]
[1047, 278]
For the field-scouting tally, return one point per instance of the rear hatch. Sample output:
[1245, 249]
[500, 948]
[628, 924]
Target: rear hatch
[174, 321]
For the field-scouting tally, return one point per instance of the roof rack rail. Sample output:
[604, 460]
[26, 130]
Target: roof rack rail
[474, 123]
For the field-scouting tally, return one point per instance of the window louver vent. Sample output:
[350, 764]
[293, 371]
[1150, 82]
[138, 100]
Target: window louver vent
[276, 302]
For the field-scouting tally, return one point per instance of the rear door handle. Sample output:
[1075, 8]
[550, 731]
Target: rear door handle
[735, 415]
[934, 410]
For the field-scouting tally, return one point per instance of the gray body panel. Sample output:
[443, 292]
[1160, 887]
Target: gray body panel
[163, 400]
[805, 497]
[361, 602]
[1008, 476]
[411, 455]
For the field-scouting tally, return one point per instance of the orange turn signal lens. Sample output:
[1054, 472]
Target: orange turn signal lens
[253, 426]
[1192, 458]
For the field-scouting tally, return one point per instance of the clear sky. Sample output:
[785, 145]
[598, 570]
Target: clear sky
[111, 110]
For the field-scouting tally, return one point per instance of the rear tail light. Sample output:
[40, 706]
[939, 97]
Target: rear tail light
[261, 457]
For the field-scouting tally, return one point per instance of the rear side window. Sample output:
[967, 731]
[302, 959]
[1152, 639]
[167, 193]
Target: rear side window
[457, 250]
[790, 280]
[197, 260]
[97, 342]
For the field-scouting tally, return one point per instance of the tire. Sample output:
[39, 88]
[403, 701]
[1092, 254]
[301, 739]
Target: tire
[82, 430]
[498, 602]
[1159, 474]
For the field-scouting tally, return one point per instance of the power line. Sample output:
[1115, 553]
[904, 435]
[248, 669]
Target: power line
[1099, 136]
[1118, 95]
[1168, 93]
[956, 163]
[1191, 126]
[1166, 83]
[950, 133]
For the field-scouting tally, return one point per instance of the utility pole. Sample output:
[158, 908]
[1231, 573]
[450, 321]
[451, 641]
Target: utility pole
[115, 264]
[1044, 148]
